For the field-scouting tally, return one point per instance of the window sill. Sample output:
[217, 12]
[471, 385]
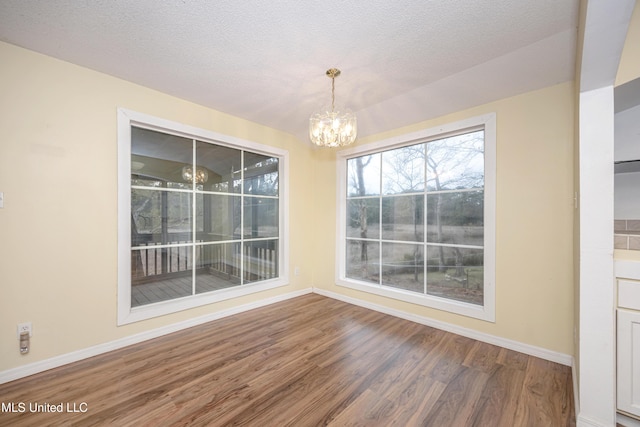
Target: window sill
[457, 307]
[136, 314]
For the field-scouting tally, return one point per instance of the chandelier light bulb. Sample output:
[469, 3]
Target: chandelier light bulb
[201, 175]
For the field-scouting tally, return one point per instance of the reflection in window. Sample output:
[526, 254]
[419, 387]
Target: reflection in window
[260, 175]
[260, 260]
[260, 217]
[204, 217]
[223, 166]
[160, 217]
[218, 217]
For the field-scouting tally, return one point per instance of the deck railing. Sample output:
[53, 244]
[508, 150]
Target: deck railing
[152, 263]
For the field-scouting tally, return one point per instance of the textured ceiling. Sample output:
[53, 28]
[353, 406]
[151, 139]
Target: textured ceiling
[402, 61]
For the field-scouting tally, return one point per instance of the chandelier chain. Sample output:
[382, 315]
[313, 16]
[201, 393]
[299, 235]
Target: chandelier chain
[333, 93]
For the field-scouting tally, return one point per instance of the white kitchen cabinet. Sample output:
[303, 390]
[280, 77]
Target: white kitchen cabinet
[628, 347]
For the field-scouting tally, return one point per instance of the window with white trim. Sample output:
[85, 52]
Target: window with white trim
[416, 218]
[201, 217]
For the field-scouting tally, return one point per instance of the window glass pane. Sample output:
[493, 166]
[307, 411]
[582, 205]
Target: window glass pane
[160, 217]
[158, 159]
[146, 217]
[260, 174]
[456, 218]
[403, 170]
[218, 267]
[402, 218]
[403, 266]
[363, 218]
[363, 176]
[144, 181]
[218, 217]
[363, 260]
[260, 217]
[160, 274]
[205, 216]
[260, 260]
[218, 168]
[414, 217]
[456, 162]
[455, 273]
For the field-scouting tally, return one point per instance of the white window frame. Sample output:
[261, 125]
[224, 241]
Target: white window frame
[128, 314]
[487, 310]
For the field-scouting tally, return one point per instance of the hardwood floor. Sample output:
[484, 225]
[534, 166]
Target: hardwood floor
[307, 361]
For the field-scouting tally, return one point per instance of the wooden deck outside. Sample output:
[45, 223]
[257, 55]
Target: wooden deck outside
[163, 290]
[162, 274]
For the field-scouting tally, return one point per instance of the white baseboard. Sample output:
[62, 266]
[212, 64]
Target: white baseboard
[582, 421]
[576, 392]
[542, 353]
[621, 419]
[625, 421]
[54, 362]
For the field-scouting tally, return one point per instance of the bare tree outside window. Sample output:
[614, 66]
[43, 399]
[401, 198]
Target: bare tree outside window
[437, 185]
[364, 180]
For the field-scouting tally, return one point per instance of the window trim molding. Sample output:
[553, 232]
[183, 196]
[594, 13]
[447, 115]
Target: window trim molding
[487, 310]
[127, 314]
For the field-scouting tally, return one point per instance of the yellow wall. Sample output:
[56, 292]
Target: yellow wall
[534, 272]
[58, 227]
[629, 67]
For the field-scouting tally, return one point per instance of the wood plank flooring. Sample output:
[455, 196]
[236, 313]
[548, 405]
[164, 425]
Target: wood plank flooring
[308, 361]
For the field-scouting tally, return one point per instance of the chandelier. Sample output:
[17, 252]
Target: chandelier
[201, 176]
[333, 128]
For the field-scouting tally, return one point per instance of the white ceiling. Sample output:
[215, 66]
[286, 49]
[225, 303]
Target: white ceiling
[402, 61]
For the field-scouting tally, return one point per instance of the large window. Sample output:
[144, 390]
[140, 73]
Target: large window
[201, 217]
[417, 218]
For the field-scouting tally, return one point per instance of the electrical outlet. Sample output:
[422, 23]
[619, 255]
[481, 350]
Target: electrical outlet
[25, 327]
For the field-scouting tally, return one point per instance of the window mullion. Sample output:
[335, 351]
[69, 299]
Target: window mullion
[194, 222]
[425, 223]
[155, 216]
[380, 222]
[457, 151]
[242, 204]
